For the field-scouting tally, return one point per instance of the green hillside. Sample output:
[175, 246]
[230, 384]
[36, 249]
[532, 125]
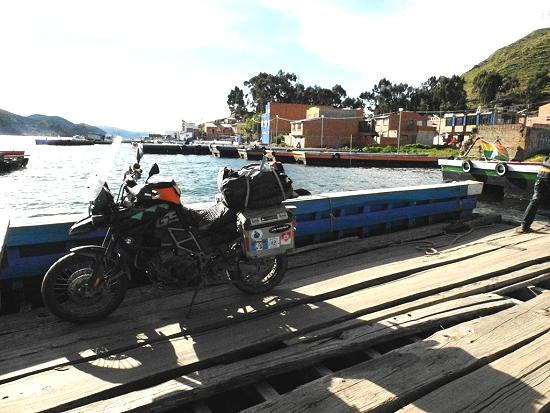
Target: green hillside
[41, 125]
[521, 59]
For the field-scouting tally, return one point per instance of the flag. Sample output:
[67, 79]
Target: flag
[495, 151]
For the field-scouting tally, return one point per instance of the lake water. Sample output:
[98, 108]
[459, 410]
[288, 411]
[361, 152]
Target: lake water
[56, 179]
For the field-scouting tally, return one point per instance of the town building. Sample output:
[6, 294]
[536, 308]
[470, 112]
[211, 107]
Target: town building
[218, 131]
[276, 120]
[542, 117]
[328, 127]
[413, 128]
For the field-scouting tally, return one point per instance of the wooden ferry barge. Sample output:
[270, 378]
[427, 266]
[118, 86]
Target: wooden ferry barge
[420, 315]
[352, 328]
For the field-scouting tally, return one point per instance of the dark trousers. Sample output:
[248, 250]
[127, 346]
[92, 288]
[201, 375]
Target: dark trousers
[541, 191]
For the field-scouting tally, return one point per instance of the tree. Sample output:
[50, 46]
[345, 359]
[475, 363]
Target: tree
[386, 97]
[487, 84]
[443, 93]
[284, 88]
[235, 101]
[252, 127]
[266, 88]
[534, 92]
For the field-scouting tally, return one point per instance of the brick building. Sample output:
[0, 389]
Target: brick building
[214, 131]
[328, 127]
[542, 118]
[412, 125]
[277, 117]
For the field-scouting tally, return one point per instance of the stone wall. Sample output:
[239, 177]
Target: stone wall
[522, 142]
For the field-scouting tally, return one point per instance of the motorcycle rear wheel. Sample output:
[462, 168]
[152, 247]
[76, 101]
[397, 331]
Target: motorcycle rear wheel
[259, 275]
[66, 293]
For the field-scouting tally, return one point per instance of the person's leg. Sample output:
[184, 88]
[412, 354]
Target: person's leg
[531, 210]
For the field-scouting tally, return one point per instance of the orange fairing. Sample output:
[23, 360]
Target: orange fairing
[169, 195]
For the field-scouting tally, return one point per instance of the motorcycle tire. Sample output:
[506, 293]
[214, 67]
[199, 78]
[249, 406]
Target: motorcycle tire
[66, 294]
[259, 275]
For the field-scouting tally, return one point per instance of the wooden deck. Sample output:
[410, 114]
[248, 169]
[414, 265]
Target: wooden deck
[436, 320]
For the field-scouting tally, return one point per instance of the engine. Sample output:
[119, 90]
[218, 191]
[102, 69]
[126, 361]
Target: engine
[171, 270]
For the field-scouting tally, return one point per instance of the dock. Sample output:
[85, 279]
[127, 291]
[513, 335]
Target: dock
[362, 159]
[439, 318]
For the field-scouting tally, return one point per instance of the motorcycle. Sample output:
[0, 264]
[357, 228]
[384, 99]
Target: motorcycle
[148, 229]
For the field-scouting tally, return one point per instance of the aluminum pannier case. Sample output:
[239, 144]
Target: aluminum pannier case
[266, 231]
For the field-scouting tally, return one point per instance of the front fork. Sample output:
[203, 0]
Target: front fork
[103, 256]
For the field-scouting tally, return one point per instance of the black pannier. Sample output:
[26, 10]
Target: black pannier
[254, 186]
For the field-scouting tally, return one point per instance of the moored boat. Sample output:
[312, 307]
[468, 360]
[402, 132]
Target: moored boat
[64, 141]
[166, 148]
[224, 151]
[281, 155]
[509, 179]
[251, 153]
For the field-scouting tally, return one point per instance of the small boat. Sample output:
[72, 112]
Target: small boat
[282, 155]
[224, 151]
[64, 141]
[163, 148]
[509, 179]
[10, 160]
[251, 153]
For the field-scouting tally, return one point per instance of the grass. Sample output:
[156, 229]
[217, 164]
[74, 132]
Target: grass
[429, 150]
[522, 59]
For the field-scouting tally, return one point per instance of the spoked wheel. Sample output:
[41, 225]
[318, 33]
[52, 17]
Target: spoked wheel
[259, 275]
[67, 293]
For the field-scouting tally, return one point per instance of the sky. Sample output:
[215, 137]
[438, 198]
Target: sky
[145, 65]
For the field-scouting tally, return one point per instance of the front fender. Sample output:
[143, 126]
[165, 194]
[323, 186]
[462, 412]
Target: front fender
[88, 250]
[92, 251]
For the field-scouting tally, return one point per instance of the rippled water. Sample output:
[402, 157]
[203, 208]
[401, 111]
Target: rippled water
[56, 178]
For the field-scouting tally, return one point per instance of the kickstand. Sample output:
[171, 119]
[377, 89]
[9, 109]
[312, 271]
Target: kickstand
[197, 288]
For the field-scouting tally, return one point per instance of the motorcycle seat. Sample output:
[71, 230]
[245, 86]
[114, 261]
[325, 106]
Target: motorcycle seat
[216, 217]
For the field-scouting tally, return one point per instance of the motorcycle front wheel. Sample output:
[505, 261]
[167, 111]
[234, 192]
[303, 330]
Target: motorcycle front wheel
[259, 275]
[66, 293]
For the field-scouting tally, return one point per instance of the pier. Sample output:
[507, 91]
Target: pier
[437, 320]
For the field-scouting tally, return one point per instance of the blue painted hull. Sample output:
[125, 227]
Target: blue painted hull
[31, 247]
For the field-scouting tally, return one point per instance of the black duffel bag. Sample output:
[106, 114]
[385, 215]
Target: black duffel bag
[254, 186]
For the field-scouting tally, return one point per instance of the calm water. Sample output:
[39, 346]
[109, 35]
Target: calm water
[56, 178]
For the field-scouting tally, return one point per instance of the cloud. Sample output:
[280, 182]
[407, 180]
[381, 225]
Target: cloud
[408, 41]
[123, 63]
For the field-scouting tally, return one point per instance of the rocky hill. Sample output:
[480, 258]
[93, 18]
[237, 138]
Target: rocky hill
[522, 59]
[41, 125]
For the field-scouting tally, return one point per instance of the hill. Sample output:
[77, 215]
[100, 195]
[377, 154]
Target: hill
[521, 59]
[42, 125]
[123, 132]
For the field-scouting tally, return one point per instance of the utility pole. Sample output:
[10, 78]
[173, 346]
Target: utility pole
[276, 128]
[322, 129]
[399, 130]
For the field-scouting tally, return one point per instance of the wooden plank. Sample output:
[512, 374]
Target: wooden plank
[321, 369]
[478, 287]
[518, 382]
[207, 382]
[523, 284]
[403, 375]
[266, 390]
